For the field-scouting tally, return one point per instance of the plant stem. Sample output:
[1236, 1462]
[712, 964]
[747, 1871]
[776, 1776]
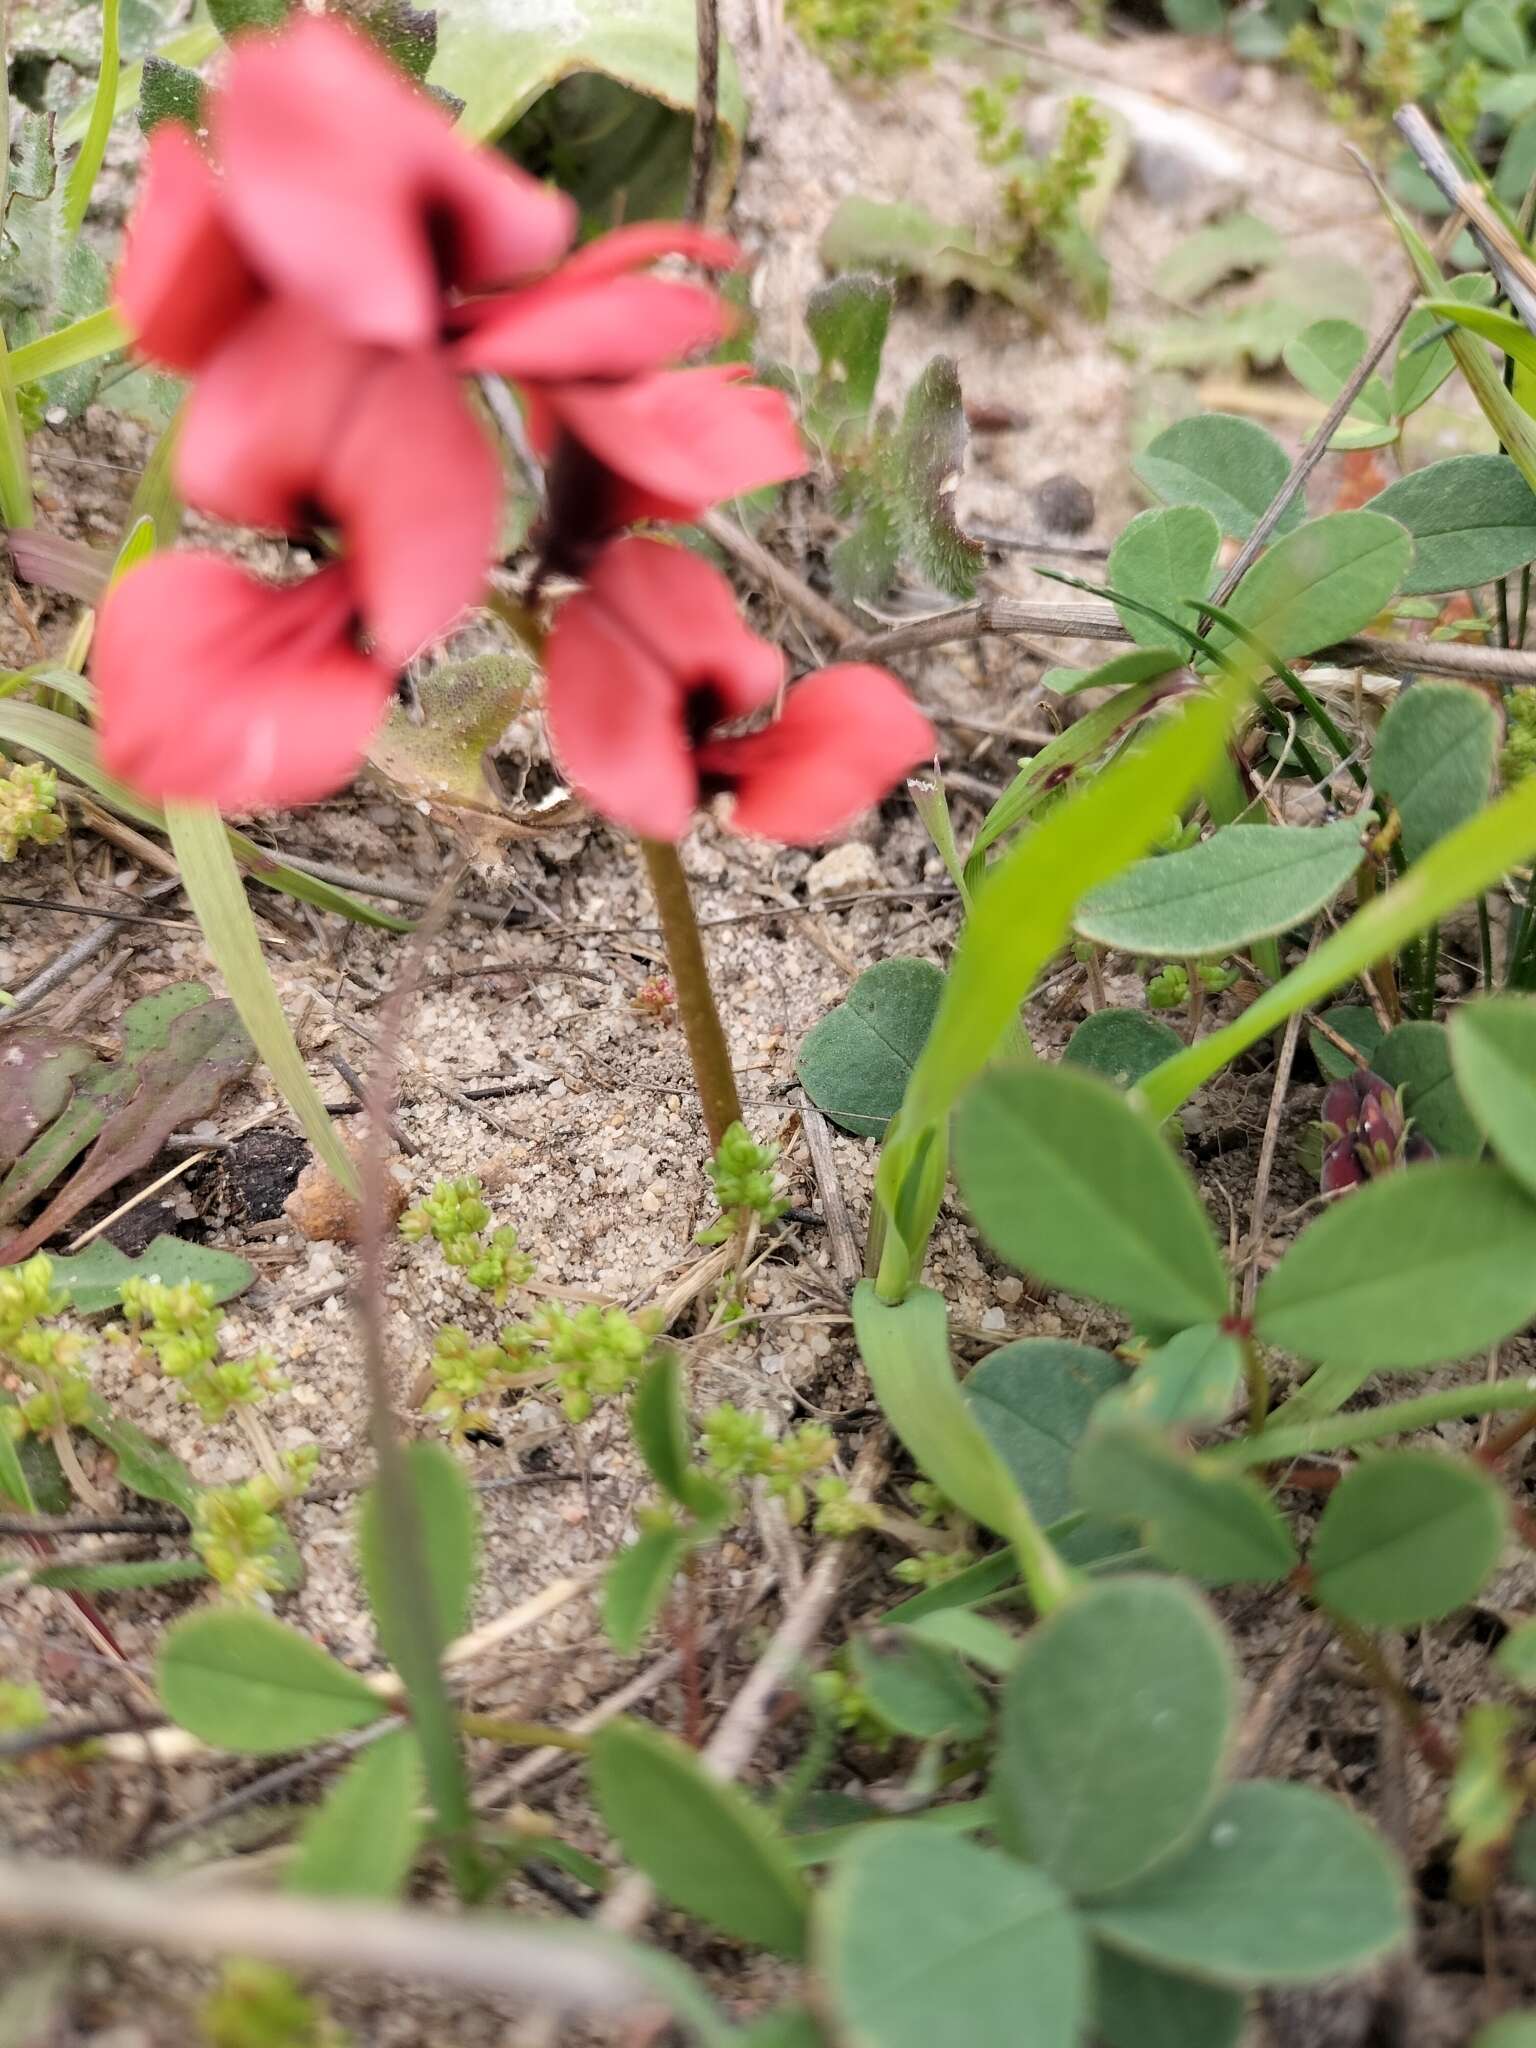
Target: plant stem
[1427, 1739]
[70, 1466]
[522, 1734]
[1485, 943]
[1397, 1418]
[707, 1049]
[1428, 970]
[1256, 1379]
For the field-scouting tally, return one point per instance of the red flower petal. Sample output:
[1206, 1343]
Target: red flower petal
[653, 642]
[216, 688]
[845, 737]
[183, 284]
[616, 724]
[381, 444]
[607, 328]
[351, 189]
[642, 242]
[683, 614]
[684, 438]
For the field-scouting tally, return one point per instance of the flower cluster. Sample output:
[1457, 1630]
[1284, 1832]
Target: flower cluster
[331, 280]
[1365, 1132]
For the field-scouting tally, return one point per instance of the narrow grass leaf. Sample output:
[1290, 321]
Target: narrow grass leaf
[1421, 1267]
[707, 1848]
[93, 147]
[1407, 1537]
[1113, 1733]
[1285, 1885]
[217, 896]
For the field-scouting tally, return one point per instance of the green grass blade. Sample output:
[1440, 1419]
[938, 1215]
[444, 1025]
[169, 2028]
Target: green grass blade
[15, 469]
[212, 882]
[93, 147]
[69, 745]
[193, 46]
[1455, 870]
[98, 334]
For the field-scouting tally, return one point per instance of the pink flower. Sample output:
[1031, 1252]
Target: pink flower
[215, 687]
[624, 437]
[293, 427]
[651, 657]
[343, 187]
[184, 282]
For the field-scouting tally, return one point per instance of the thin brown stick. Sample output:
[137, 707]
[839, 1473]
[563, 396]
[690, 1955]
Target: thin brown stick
[841, 1241]
[1285, 1680]
[706, 109]
[816, 611]
[1283, 1065]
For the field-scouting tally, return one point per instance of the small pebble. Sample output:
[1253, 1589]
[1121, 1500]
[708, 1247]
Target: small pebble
[1064, 504]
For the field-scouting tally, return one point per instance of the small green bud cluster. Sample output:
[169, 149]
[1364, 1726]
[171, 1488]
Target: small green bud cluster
[932, 1567]
[838, 1513]
[591, 1354]
[238, 1534]
[181, 1326]
[745, 1182]
[455, 1214]
[739, 1446]
[1168, 988]
[258, 2005]
[872, 38]
[27, 798]
[1042, 198]
[844, 1701]
[51, 1359]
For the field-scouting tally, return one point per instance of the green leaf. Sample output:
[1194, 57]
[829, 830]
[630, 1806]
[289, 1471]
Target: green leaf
[14, 1483]
[1434, 759]
[1320, 584]
[1068, 1183]
[449, 1522]
[847, 320]
[1164, 555]
[361, 1842]
[407, 37]
[144, 1466]
[120, 1578]
[856, 1062]
[1322, 359]
[242, 1681]
[1226, 464]
[501, 57]
[1190, 1379]
[929, 453]
[438, 757]
[1493, 33]
[1514, 2030]
[1139, 666]
[1468, 861]
[1516, 1655]
[213, 886]
[1416, 1057]
[1493, 1050]
[907, 241]
[705, 1846]
[1121, 1045]
[636, 1583]
[230, 16]
[93, 1279]
[1284, 1886]
[790, 2027]
[1407, 1537]
[1136, 2006]
[169, 92]
[917, 1688]
[1419, 371]
[1417, 1268]
[1473, 520]
[1217, 1526]
[659, 1423]
[1236, 245]
[972, 1635]
[1113, 1733]
[1506, 332]
[1243, 883]
[1356, 1022]
[1034, 1399]
[928, 1939]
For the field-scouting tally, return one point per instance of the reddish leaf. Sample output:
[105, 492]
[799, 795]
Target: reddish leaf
[207, 1048]
[37, 1074]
